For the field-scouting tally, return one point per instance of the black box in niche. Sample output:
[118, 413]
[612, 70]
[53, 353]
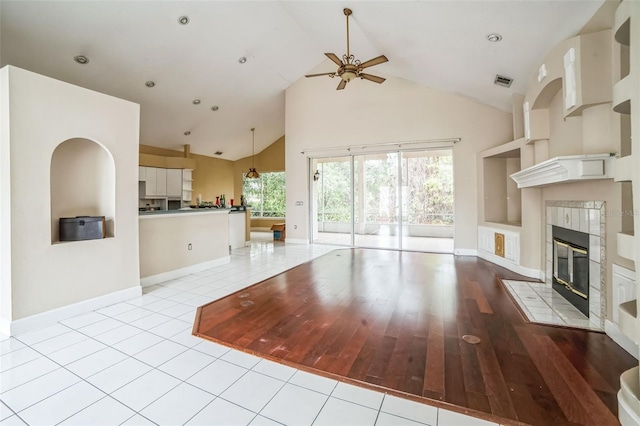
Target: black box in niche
[82, 228]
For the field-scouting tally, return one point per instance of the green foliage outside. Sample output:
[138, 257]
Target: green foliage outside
[427, 190]
[266, 194]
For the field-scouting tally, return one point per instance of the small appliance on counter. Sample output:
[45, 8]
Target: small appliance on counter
[82, 228]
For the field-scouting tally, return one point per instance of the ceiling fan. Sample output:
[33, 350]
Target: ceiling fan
[349, 67]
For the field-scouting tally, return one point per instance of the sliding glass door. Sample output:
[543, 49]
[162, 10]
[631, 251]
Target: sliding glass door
[394, 200]
[378, 213]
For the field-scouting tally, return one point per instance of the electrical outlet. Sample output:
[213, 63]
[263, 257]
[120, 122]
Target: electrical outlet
[189, 247]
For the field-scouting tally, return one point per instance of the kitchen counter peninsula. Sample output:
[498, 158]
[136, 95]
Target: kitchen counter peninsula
[175, 243]
[145, 214]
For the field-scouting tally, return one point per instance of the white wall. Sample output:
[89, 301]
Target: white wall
[165, 240]
[319, 116]
[38, 113]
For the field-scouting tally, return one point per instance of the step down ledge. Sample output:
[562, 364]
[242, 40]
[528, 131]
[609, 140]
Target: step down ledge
[627, 319]
[628, 397]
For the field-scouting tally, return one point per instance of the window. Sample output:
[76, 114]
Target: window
[265, 195]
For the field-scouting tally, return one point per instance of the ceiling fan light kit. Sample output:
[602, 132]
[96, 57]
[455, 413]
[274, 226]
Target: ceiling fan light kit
[350, 68]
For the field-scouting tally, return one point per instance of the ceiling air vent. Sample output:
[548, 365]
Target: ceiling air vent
[501, 80]
[218, 153]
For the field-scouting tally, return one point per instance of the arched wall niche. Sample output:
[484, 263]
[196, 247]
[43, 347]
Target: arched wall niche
[83, 180]
[547, 94]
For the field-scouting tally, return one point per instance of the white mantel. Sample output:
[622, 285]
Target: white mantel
[565, 169]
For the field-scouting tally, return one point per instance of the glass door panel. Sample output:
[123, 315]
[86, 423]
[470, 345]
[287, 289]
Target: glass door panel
[333, 201]
[378, 205]
[427, 179]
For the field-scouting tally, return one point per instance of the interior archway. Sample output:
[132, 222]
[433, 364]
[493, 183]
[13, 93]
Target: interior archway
[82, 183]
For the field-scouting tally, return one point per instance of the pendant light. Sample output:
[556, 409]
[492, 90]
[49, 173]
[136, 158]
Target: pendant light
[253, 173]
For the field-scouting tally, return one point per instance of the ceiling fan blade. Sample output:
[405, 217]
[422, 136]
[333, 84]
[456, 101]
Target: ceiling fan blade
[342, 85]
[334, 58]
[375, 61]
[373, 78]
[332, 73]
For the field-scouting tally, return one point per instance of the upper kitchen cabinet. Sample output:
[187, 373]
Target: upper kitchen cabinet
[158, 182]
[154, 183]
[174, 183]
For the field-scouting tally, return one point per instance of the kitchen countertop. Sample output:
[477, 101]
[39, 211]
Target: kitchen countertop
[183, 212]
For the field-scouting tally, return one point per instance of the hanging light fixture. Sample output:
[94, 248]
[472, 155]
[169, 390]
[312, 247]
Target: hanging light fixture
[253, 173]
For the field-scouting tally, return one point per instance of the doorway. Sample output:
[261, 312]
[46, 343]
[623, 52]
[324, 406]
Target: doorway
[399, 200]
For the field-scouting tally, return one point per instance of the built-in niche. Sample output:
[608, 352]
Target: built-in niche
[502, 203]
[82, 179]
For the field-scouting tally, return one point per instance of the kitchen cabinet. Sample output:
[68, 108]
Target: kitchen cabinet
[157, 182]
[174, 183]
[151, 185]
[161, 182]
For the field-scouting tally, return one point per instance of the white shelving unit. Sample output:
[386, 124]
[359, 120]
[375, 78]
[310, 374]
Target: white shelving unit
[187, 186]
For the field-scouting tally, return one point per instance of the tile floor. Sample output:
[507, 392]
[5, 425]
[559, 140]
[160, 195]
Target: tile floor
[540, 303]
[136, 363]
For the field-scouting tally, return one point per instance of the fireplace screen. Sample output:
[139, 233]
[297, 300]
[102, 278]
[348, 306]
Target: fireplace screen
[571, 267]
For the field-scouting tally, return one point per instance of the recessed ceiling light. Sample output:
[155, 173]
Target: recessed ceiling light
[81, 59]
[215, 108]
[183, 20]
[196, 101]
[187, 133]
[150, 83]
[242, 60]
[494, 37]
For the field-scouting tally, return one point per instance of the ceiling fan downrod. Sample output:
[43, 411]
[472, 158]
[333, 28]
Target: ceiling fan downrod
[347, 13]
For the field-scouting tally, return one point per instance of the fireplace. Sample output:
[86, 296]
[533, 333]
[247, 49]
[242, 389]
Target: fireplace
[571, 266]
[588, 219]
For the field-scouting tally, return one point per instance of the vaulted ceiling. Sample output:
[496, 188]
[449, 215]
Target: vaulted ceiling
[441, 44]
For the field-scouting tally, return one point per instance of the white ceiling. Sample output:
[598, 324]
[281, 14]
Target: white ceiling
[440, 44]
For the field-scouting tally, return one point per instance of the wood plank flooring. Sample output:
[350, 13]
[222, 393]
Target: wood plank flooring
[393, 321]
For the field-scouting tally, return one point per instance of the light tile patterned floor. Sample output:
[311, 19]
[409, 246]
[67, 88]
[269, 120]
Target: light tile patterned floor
[541, 303]
[136, 363]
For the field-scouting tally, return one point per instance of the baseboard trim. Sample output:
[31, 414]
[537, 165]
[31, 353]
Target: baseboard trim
[623, 341]
[465, 252]
[48, 318]
[181, 272]
[501, 261]
[296, 241]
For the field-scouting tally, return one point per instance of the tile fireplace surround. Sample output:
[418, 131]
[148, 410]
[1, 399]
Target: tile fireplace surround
[587, 217]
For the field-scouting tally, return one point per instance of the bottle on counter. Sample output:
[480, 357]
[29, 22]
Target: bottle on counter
[223, 201]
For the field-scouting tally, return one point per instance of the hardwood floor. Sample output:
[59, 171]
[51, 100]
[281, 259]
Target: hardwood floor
[394, 321]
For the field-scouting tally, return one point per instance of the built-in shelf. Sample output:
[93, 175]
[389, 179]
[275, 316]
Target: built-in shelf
[622, 22]
[564, 169]
[625, 246]
[629, 397]
[502, 199]
[624, 169]
[621, 96]
[627, 319]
